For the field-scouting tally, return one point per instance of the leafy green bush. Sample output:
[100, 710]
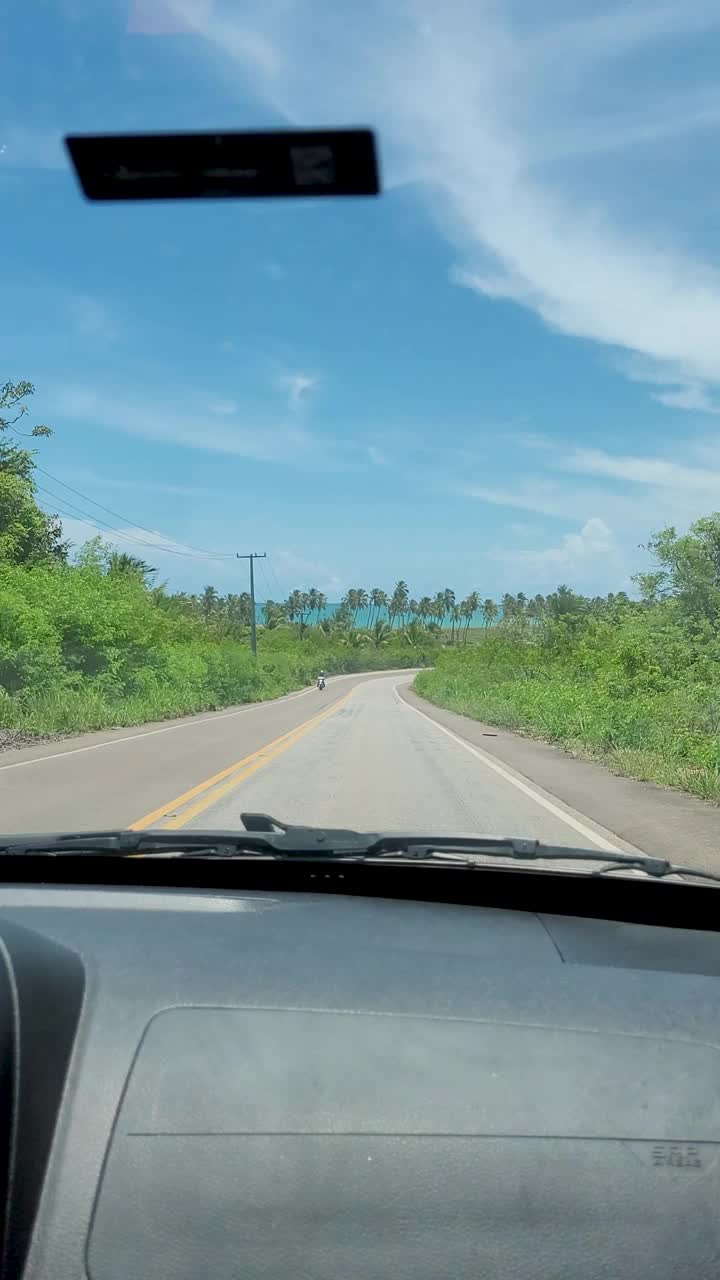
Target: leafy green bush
[84, 649]
[640, 692]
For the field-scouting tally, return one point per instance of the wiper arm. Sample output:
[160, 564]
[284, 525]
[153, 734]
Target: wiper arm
[280, 842]
[267, 837]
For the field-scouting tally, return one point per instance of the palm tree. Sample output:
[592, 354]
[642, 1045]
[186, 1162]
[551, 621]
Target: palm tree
[414, 633]
[439, 607]
[120, 563]
[209, 602]
[399, 600]
[313, 599]
[455, 616]
[489, 611]
[352, 600]
[472, 604]
[466, 612]
[304, 606]
[320, 604]
[381, 633]
[363, 599]
[378, 600]
[449, 598]
[509, 605]
[425, 609]
[355, 639]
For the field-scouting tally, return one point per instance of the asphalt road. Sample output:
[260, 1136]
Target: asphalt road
[357, 755]
[366, 753]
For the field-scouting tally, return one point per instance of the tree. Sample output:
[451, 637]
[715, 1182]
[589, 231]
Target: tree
[489, 611]
[378, 600]
[381, 633]
[120, 564]
[209, 602]
[28, 535]
[363, 599]
[688, 567]
[439, 607]
[469, 608]
[398, 601]
[565, 604]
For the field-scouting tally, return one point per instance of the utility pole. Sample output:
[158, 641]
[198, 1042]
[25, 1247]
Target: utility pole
[253, 631]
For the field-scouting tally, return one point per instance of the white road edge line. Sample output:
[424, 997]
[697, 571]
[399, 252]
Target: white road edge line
[186, 724]
[171, 728]
[525, 787]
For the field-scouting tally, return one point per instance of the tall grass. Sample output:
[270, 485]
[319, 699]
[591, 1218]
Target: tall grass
[619, 694]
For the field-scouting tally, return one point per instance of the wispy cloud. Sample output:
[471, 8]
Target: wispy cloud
[298, 387]
[591, 544]
[692, 398]
[299, 571]
[185, 424]
[659, 473]
[91, 318]
[376, 456]
[86, 479]
[472, 101]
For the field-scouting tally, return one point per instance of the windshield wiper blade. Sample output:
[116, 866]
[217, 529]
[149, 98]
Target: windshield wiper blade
[285, 843]
[267, 837]
[124, 843]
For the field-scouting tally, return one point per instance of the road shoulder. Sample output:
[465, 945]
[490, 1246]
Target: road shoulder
[655, 819]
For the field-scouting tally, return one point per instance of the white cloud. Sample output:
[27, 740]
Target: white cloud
[298, 387]
[297, 571]
[85, 478]
[376, 456]
[658, 473]
[582, 555]
[183, 424]
[473, 102]
[690, 398]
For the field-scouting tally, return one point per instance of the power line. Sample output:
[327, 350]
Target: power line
[277, 587]
[116, 514]
[96, 521]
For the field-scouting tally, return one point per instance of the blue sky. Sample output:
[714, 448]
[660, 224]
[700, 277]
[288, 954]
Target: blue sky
[502, 375]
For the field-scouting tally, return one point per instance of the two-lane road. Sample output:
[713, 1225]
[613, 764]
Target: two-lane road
[357, 755]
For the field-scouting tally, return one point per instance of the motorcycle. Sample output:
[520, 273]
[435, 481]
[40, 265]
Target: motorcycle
[321, 682]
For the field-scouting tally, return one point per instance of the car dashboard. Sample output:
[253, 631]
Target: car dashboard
[243, 1083]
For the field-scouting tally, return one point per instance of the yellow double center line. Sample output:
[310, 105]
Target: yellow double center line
[212, 789]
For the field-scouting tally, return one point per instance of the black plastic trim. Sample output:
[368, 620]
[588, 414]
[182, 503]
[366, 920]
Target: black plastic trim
[46, 985]
[633, 900]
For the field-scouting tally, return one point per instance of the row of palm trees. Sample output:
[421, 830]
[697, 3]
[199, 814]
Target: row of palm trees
[375, 613]
[393, 609]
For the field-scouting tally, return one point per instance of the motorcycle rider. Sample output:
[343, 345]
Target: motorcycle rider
[321, 680]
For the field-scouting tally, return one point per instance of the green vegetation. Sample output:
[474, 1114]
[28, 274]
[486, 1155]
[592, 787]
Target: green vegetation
[635, 684]
[88, 640]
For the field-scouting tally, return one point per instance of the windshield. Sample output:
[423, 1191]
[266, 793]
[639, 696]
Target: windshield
[391, 512]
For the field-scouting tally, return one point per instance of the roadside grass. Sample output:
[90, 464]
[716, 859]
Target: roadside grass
[668, 736]
[186, 682]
